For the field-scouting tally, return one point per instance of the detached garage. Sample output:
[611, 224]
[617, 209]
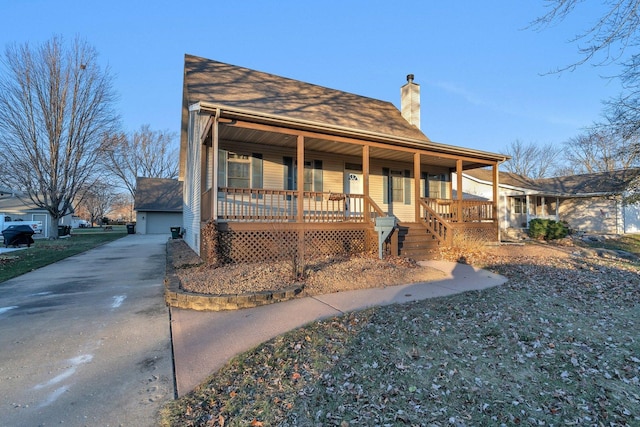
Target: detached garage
[158, 205]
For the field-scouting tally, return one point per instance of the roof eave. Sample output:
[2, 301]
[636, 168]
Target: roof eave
[301, 124]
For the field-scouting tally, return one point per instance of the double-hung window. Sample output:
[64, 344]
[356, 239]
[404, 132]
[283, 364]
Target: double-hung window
[239, 170]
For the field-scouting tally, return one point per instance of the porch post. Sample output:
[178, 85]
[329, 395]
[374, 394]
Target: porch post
[528, 211]
[558, 209]
[214, 167]
[496, 199]
[416, 184]
[300, 178]
[300, 214]
[365, 183]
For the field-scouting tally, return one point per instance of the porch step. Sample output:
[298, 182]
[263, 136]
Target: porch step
[416, 242]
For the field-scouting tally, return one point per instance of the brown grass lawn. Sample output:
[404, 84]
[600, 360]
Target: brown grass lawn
[557, 345]
[44, 252]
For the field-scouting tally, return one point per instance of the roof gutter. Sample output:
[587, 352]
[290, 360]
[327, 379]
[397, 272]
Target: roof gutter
[343, 131]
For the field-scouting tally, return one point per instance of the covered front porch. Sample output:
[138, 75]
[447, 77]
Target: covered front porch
[253, 188]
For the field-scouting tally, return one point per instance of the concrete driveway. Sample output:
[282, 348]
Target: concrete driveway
[86, 341]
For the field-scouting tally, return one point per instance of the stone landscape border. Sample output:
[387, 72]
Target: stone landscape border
[176, 297]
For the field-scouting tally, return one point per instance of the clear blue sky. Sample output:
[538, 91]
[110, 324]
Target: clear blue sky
[479, 67]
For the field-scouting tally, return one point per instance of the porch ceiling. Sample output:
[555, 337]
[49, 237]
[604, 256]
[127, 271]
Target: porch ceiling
[287, 139]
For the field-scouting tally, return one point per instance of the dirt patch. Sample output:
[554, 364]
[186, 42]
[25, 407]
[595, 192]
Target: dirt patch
[327, 275]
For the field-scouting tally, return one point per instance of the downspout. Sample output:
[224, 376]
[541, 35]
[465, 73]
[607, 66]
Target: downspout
[214, 148]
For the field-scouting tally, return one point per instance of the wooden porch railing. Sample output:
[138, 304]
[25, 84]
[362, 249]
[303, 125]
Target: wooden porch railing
[435, 223]
[252, 204]
[461, 210]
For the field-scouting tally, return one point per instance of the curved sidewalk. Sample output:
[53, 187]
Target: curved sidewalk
[204, 341]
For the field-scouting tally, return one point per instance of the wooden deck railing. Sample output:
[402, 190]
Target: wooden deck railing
[252, 204]
[435, 223]
[461, 211]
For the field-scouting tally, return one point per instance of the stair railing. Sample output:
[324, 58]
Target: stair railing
[438, 227]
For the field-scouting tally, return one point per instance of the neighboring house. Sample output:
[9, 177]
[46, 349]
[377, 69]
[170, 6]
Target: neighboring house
[158, 205]
[20, 207]
[590, 203]
[274, 167]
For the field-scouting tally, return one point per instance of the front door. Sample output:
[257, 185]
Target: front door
[353, 184]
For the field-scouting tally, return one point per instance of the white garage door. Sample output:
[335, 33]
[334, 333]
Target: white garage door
[161, 223]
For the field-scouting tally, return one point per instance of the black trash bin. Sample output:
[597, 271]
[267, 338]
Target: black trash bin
[175, 232]
[15, 235]
[64, 230]
[131, 229]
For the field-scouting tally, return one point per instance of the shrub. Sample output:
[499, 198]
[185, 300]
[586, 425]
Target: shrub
[556, 230]
[547, 229]
[538, 228]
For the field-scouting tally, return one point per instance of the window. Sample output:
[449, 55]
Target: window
[437, 186]
[396, 186]
[237, 170]
[312, 174]
[519, 205]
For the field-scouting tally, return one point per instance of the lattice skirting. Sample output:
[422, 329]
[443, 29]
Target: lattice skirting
[243, 246]
[481, 231]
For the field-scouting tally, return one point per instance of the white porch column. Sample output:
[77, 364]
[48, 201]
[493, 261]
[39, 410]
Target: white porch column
[528, 209]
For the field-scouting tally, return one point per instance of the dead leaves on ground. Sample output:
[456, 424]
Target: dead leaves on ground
[557, 345]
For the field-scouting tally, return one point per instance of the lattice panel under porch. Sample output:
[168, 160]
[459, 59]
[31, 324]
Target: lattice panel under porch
[282, 245]
[478, 233]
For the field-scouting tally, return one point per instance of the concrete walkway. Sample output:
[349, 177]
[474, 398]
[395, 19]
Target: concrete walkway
[203, 342]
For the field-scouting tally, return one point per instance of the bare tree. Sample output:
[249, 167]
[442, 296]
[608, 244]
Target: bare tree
[604, 41]
[612, 39]
[530, 159]
[601, 150]
[97, 201]
[56, 105]
[145, 153]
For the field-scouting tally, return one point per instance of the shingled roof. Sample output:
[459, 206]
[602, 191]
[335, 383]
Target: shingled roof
[241, 88]
[614, 182]
[158, 195]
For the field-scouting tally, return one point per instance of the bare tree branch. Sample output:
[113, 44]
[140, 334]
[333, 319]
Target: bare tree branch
[601, 150]
[56, 105]
[531, 160]
[615, 31]
[145, 153]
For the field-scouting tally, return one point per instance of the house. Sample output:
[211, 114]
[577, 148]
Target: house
[158, 205]
[592, 203]
[276, 168]
[18, 206]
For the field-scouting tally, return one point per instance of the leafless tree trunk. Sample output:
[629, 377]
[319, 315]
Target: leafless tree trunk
[97, 201]
[531, 160]
[56, 106]
[145, 153]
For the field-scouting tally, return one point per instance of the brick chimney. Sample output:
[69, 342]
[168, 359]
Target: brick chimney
[410, 101]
